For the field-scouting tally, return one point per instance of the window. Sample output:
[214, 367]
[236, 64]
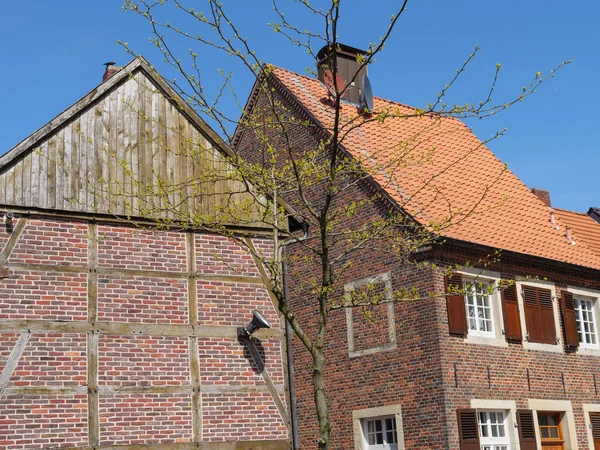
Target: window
[493, 430]
[380, 433]
[378, 428]
[586, 322]
[551, 435]
[479, 309]
[486, 429]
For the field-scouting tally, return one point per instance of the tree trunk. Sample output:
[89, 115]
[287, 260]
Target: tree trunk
[320, 399]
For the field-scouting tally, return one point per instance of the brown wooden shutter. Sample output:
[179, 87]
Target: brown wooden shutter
[547, 314]
[526, 429]
[539, 315]
[468, 433]
[510, 309]
[595, 421]
[455, 303]
[569, 319]
[533, 318]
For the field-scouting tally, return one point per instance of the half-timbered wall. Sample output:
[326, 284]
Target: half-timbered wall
[119, 336]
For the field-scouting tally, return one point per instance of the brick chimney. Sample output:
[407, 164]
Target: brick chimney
[111, 69]
[347, 68]
[543, 195]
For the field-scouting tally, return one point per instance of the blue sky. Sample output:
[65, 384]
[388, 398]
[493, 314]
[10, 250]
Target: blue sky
[51, 54]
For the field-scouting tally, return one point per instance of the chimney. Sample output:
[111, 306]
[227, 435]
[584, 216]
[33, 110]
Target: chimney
[111, 69]
[594, 213]
[347, 68]
[543, 195]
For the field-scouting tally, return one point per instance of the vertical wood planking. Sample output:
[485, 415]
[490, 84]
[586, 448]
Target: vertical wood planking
[17, 184]
[105, 160]
[134, 110]
[51, 172]
[111, 151]
[35, 178]
[156, 149]
[42, 151]
[59, 164]
[75, 164]
[127, 135]
[162, 111]
[84, 134]
[119, 179]
[171, 155]
[143, 86]
[181, 165]
[68, 165]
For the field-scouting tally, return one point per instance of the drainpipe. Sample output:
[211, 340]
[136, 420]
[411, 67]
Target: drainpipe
[288, 340]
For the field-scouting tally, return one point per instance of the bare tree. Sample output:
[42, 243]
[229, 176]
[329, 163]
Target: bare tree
[307, 185]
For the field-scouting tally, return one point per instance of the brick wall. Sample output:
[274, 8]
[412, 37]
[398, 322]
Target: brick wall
[419, 373]
[106, 310]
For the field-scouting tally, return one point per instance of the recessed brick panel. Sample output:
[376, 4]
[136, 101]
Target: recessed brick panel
[44, 295]
[143, 361]
[241, 416]
[133, 248]
[145, 419]
[229, 362]
[52, 360]
[142, 299]
[371, 327]
[221, 303]
[42, 422]
[52, 242]
[217, 255]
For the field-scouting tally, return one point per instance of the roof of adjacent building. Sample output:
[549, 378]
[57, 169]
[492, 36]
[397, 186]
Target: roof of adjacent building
[584, 229]
[437, 170]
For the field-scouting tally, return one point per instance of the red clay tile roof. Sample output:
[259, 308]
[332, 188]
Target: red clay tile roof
[584, 229]
[436, 169]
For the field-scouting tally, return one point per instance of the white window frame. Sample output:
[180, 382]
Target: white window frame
[509, 407]
[472, 290]
[557, 347]
[384, 432]
[594, 297]
[496, 337]
[494, 443]
[358, 424]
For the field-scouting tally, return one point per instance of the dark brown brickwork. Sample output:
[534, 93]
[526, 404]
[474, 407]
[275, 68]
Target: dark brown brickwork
[430, 373]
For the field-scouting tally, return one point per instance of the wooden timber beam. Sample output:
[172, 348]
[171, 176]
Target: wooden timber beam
[238, 445]
[131, 329]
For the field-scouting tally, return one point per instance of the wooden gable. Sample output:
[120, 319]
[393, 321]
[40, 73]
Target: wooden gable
[132, 147]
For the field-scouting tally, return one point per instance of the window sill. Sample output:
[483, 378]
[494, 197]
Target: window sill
[483, 340]
[590, 351]
[554, 348]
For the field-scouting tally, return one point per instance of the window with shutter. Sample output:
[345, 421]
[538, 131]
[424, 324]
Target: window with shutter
[539, 315]
[510, 308]
[570, 324]
[526, 429]
[455, 303]
[584, 311]
[595, 423]
[468, 433]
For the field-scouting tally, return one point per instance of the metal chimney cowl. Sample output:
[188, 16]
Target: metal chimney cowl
[347, 67]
